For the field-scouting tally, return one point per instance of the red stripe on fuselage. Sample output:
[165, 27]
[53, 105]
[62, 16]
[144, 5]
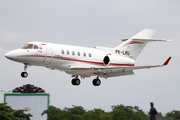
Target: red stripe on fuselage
[72, 59]
[31, 56]
[83, 61]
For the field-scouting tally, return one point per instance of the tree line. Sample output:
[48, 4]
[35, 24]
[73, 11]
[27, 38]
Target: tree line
[119, 112]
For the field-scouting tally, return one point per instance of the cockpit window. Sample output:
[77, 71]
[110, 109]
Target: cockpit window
[28, 46]
[35, 47]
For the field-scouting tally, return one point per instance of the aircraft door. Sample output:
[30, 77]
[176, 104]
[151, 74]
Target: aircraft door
[49, 55]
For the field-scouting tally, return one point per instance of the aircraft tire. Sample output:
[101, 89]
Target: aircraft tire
[96, 82]
[75, 81]
[24, 74]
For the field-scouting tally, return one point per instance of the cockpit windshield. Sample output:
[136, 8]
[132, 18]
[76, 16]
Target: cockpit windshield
[30, 46]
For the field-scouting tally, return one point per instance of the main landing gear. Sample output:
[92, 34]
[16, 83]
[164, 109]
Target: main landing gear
[76, 81]
[24, 74]
[95, 82]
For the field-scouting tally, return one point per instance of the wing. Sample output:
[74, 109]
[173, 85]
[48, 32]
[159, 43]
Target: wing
[112, 71]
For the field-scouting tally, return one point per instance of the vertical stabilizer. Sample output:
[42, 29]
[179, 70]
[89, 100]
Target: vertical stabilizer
[145, 34]
[134, 45]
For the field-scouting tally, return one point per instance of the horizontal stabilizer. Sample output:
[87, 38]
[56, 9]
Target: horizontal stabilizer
[151, 40]
[148, 40]
[124, 40]
[134, 45]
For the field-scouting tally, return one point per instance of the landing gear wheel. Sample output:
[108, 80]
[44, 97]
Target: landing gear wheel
[76, 81]
[24, 74]
[96, 82]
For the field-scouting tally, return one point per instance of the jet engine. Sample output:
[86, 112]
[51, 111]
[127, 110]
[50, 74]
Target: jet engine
[113, 60]
[106, 60]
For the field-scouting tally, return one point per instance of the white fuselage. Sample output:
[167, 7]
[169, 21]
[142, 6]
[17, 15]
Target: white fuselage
[64, 57]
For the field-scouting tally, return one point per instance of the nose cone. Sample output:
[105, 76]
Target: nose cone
[12, 55]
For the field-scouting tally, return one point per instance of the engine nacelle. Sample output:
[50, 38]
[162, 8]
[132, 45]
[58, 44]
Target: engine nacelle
[113, 60]
[106, 60]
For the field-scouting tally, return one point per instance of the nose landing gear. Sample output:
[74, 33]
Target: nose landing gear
[24, 74]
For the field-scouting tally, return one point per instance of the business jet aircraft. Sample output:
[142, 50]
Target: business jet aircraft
[86, 62]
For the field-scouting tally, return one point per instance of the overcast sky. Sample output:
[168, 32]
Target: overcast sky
[95, 23]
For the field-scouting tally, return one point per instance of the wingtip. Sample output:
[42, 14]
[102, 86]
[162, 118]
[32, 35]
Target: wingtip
[167, 61]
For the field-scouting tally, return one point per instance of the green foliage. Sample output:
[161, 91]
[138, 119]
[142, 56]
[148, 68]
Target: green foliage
[54, 113]
[174, 114]
[97, 114]
[20, 115]
[7, 113]
[119, 112]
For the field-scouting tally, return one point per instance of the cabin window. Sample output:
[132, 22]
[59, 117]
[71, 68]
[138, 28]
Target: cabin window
[78, 53]
[62, 51]
[28, 46]
[73, 53]
[67, 52]
[90, 55]
[84, 54]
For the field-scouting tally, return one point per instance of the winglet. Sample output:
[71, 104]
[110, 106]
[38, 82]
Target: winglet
[167, 61]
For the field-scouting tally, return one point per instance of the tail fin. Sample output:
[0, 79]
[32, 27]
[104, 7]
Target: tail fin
[133, 46]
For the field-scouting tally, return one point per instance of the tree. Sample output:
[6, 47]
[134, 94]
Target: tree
[74, 113]
[139, 113]
[20, 115]
[121, 112]
[97, 114]
[54, 113]
[7, 113]
[174, 114]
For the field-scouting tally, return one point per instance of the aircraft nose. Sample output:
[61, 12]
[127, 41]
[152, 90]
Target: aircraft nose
[12, 55]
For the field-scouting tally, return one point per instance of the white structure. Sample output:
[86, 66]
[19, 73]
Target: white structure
[34, 103]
